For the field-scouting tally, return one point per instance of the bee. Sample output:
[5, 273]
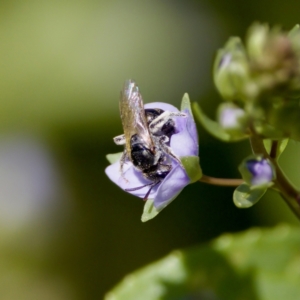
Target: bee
[147, 134]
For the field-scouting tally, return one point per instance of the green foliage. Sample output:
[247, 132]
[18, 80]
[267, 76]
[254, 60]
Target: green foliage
[280, 146]
[259, 264]
[186, 103]
[286, 116]
[244, 196]
[214, 128]
[112, 158]
[150, 211]
[231, 69]
[263, 77]
[192, 167]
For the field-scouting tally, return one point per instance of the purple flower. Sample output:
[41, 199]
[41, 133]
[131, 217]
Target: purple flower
[261, 171]
[231, 117]
[257, 171]
[184, 143]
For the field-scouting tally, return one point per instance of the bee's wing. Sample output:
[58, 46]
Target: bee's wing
[133, 115]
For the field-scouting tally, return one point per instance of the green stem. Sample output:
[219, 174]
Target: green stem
[288, 192]
[273, 152]
[220, 181]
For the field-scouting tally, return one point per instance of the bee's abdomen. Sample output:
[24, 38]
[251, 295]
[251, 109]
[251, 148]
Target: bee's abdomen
[142, 157]
[157, 172]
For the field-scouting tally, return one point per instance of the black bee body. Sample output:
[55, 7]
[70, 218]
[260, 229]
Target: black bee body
[146, 137]
[145, 159]
[169, 126]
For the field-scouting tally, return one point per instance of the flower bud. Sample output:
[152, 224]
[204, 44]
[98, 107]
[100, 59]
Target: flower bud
[257, 171]
[232, 118]
[294, 37]
[274, 60]
[231, 69]
[256, 40]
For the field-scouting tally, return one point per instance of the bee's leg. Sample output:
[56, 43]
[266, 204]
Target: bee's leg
[156, 125]
[122, 162]
[157, 156]
[120, 139]
[163, 141]
[152, 185]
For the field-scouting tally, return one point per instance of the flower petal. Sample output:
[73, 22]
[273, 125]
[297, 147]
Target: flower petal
[186, 131]
[131, 178]
[257, 171]
[262, 171]
[183, 143]
[173, 184]
[161, 105]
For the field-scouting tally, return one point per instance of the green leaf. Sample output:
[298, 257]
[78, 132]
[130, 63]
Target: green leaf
[256, 264]
[150, 211]
[294, 36]
[112, 158]
[280, 146]
[186, 103]
[287, 118]
[213, 127]
[269, 131]
[294, 31]
[192, 167]
[244, 196]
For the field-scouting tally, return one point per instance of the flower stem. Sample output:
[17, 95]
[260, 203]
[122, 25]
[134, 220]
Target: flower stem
[273, 152]
[288, 192]
[220, 181]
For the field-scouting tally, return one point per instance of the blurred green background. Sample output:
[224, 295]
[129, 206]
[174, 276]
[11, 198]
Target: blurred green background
[66, 232]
